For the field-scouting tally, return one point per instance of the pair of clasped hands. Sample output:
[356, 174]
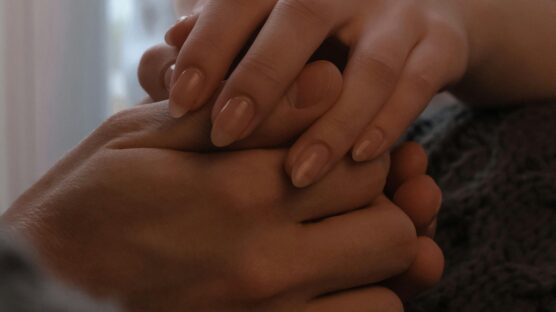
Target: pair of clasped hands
[168, 211]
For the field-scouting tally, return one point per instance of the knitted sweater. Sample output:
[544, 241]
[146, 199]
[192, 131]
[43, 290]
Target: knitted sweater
[497, 226]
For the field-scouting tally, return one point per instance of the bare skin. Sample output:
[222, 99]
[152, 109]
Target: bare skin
[401, 54]
[136, 212]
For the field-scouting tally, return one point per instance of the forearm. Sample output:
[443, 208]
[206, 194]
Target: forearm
[514, 55]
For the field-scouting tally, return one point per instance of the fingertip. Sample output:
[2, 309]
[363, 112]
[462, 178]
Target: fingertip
[408, 160]
[310, 165]
[429, 264]
[425, 272]
[185, 92]
[420, 198]
[234, 122]
[368, 147]
[178, 33]
[153, 70]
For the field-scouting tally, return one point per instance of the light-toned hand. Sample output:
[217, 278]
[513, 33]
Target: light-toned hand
[402, 54]
[409, 187]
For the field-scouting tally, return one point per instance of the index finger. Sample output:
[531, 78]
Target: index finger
[292, 33]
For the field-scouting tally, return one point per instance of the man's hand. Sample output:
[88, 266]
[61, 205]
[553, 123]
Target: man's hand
[408, 186]
[135, 212]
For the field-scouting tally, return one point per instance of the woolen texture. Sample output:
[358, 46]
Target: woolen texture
[497, 226]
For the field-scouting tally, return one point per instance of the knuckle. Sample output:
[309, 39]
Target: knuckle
[120, 127]
[256, 66]
[423, 83]
[120, 123]
[380, 69]
[343, 127]
[257, 277]
[246, 172]
[205, 42]
[200, 51]
[146, 64]
[309, 10]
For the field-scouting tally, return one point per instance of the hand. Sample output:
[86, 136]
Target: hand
[135, 214]
[414, 192]
[402, 53]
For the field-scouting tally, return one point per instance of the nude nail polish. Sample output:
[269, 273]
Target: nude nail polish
[168, 77]
[234, 118]
[185, 92]
[366, 149]
[309, 165]
[182, 18]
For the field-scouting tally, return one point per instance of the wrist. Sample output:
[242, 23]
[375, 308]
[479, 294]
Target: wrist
[483, 22]
[480, 20]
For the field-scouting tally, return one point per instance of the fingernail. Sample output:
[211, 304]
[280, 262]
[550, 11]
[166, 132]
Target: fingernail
[182, 18]
[309, 165]
[232, 121]
[168, 36]
[369, 146]
[301, 98]
[185, 92]
[168, 76]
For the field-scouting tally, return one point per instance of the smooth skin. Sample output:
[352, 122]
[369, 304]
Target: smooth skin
[402, 54]
[421, 201]
[409, 161]
[135, 212]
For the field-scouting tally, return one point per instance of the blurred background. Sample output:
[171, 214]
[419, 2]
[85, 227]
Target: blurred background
[65, 65]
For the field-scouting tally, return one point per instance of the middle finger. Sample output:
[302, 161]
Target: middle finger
[292, 33]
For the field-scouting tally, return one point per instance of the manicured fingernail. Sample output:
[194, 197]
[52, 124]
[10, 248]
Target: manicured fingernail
[168, 36]
[185, 92]
[232, 121]
[367, 148]
[182, 18]
[309, 165]
[168, 76]
[301, 98]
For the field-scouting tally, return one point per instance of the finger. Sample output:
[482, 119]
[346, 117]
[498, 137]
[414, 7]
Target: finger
[370, 78]
[315, 91]
[429, 69]
[420, 198]
[209, 51]
[357, 248]
[431, 230]
[425, 272]
[155, 70]
[332, 195]
[178, 33]
[292, 33]
[370, 299]
[408, 160]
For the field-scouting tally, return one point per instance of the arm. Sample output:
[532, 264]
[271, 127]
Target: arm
[514, 59]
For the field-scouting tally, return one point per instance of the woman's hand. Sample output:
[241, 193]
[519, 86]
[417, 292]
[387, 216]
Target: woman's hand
[408, 186]
[402, 54]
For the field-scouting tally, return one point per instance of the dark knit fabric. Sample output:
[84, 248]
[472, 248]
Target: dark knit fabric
[497, 226]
